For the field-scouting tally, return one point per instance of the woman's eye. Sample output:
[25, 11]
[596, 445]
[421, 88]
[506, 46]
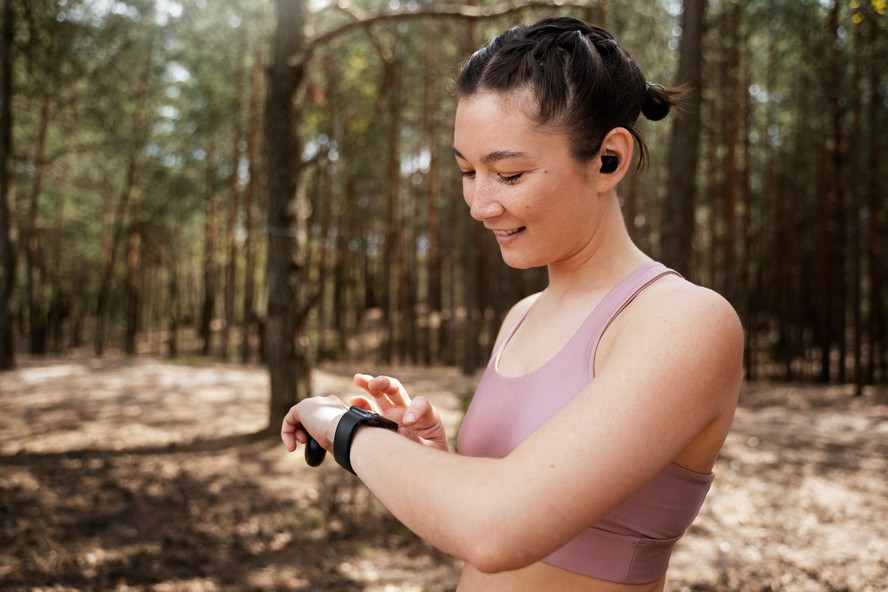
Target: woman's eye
[510, 179]
[467, 174]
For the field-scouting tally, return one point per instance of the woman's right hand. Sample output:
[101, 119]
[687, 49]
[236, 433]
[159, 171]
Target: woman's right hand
[418, 419]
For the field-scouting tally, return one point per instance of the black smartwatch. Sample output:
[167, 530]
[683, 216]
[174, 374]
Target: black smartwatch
[345, 432]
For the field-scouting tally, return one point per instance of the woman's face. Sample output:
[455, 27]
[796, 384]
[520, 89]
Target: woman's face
[523, 184]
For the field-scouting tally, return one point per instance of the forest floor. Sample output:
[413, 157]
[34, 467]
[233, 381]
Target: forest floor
[140, 474]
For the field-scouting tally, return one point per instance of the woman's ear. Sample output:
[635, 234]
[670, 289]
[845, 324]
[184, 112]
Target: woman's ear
[614, 158]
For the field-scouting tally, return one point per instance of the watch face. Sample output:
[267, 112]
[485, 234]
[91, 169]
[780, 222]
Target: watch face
[363, 413]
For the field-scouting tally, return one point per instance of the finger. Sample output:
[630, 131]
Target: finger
[421, 413]
[288, 430]
[291, 439]
[363, 381]
[363, 403]
[392, 388]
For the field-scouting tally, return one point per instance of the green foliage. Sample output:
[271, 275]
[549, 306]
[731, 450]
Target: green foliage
[169, 84]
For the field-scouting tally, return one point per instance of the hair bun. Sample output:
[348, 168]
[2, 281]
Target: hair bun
[657, 102]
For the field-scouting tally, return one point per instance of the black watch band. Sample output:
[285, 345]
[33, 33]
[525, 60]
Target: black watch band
[345, 432]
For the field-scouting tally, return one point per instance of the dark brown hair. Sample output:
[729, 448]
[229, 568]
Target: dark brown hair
[584, 83]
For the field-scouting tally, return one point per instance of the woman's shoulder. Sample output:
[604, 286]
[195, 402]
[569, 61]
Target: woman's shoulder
[675, 315]
[674, 296]
[680, 338]
[686, 315]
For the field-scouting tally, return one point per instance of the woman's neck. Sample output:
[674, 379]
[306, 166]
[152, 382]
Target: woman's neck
[609, 256]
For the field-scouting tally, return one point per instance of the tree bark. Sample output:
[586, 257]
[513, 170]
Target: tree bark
[37, 318]
[233, 209]
[392, 232]
[471, 251]
[133, 265]
[110, 257]
[249, 314]
[7, 252]
[288, 360]
[136, 145]
[855, 275]
[677, 237]
[832, 304]
[211, 245]
[729, 268]
[175, 311]
[432, 222]
[877, 327]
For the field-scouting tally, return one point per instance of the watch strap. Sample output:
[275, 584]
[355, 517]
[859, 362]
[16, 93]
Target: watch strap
[345, 432]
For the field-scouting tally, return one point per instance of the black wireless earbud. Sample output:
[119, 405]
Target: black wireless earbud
[609, 163]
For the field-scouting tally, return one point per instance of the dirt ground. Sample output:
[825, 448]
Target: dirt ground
[138, 475]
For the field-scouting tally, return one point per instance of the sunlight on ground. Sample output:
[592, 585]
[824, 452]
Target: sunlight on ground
[130, 475]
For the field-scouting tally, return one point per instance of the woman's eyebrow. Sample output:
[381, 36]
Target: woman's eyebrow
[494, 156]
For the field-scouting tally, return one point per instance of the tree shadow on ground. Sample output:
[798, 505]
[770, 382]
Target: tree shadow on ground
[151, 476]
[94, 520]
[105, 500]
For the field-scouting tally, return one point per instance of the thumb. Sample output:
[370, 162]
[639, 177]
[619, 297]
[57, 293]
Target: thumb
[420, 413]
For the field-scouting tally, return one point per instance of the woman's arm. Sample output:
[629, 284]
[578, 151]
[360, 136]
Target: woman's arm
[673, 371]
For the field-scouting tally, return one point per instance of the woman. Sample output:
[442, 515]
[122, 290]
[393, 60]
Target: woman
[588, 447]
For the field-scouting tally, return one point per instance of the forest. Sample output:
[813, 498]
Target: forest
[272, 181]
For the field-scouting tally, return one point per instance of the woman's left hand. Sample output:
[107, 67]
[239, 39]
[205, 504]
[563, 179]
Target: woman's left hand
[317, 416]
[418, 419]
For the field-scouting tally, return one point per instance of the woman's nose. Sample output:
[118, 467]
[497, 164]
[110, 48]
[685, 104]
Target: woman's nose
[482, 202]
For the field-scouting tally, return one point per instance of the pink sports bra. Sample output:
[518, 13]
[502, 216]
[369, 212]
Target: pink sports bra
[633, 543]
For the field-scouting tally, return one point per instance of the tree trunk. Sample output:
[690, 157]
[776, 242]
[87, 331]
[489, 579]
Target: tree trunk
[110, 257]
[392, 205]
[407, 281]
[747, 282]
[133, 293]
[433, 256]
[832, 256]
[249, 314]
[174, 292]
[288, 360]
[729, 270]
[61, 302]
[340, 323]
[233, 210]
[118, 223]
[855, 177]
[211, 240]
[704, 260]
[678, 221]
[323, 209]
[36, 306]
[470, 256]
[877, 328]
[7, 253]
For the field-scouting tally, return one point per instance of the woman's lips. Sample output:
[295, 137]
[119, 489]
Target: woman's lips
[504, 236]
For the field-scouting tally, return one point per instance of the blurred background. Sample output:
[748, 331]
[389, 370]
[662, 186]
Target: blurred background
[141, 198]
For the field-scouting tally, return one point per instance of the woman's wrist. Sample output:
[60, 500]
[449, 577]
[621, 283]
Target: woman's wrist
[349, 424]
[368, 446]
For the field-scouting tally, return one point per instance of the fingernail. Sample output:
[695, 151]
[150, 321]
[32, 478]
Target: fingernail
[409, 417]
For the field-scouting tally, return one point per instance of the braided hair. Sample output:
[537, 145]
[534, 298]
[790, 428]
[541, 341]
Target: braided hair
[584, 83]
